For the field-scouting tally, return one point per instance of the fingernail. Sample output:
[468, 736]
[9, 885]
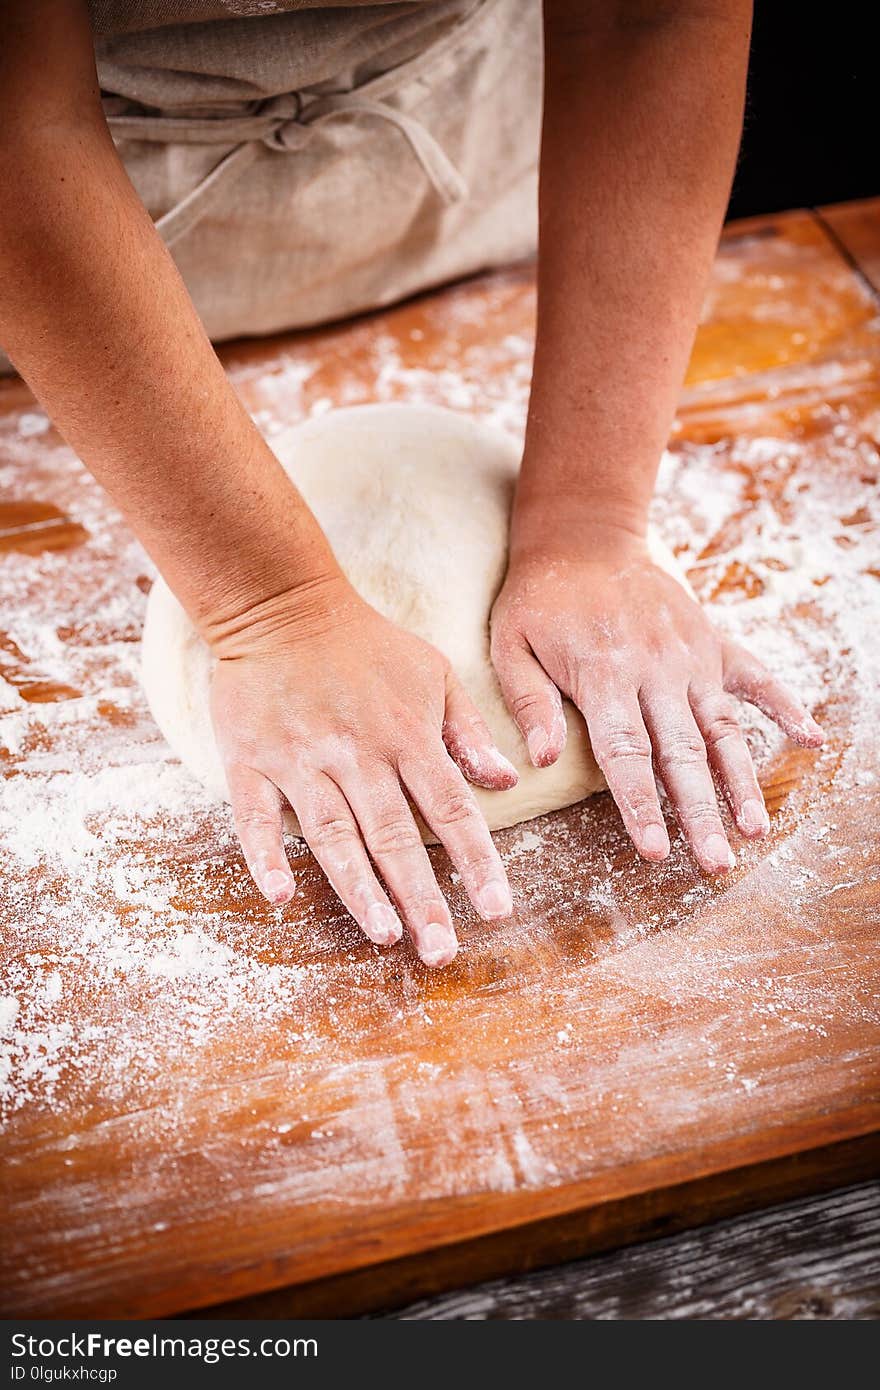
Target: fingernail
[382, 925]
[537, 742]
[655, 841]
[753, 817]
[437, 944]
[812, 729]
[494, 900]
[717, 853]
[277, 885]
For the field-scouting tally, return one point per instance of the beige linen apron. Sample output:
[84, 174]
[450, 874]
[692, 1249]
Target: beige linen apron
[405, 155]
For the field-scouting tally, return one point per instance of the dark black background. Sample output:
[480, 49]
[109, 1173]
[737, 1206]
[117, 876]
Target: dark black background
[812, 110]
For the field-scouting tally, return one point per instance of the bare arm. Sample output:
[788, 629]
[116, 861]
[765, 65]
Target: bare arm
[96, 318]
[316, 698]
[643, 111]
[641, 129]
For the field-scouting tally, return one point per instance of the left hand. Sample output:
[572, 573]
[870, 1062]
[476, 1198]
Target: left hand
[654, 680]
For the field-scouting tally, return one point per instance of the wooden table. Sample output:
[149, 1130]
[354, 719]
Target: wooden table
[816, 1258]
[208, 1102]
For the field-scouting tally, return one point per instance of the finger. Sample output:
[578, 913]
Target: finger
[449, 807]
[393, 839]
[332, 835]
[533, 700]
[715, 713]
[257, 811]
[747, 678]
[680, 756]
[470, 742]
[622, 749]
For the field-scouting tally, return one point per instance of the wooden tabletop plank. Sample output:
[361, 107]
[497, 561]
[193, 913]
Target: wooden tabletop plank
[857, 227]
[205, 1099]
[814, 1259]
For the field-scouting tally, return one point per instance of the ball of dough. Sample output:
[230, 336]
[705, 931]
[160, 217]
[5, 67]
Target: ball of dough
[415, 501]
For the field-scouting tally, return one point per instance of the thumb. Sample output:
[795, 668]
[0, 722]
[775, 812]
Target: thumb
[533, 700]
[469, 741]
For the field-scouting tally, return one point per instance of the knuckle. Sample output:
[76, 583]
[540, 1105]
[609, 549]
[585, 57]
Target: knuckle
[393, 835]
[328, 830]
[716, 712]
[621, 744]
[454, 808]
[701, 815]
[253, 819]
[527, 706]
[682, 749]
[721, 727]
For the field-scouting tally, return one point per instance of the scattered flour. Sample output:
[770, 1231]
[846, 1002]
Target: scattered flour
[134, 945]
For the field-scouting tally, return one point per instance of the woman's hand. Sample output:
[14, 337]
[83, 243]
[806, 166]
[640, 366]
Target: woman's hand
[653, 679]
[319, 701]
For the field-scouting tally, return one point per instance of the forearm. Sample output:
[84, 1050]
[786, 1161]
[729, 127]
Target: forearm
[96, 318]
[641, 129]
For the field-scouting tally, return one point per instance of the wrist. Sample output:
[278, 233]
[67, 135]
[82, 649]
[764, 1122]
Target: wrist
[309, 608]
[581, 526]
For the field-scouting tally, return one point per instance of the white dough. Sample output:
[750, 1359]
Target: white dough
[415, 501]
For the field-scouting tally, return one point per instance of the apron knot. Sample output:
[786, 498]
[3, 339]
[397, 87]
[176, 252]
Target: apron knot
[291, 134]
[284, 124]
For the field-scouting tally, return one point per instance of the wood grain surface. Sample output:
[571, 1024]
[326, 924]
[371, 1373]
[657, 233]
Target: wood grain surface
[210, 1102]
[816, 1259]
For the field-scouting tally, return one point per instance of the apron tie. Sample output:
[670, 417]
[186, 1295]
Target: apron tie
[283, 123]
[436, 163]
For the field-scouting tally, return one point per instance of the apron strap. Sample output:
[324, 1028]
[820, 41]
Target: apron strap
[206, 194]
[284, 125]
[436, 163]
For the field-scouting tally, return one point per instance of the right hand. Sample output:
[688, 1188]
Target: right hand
[319, 701]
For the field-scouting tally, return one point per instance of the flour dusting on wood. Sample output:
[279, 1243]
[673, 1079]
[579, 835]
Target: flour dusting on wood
[150, 1000]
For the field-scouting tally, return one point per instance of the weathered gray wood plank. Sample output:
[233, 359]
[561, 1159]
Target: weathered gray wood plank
[812, 1259]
